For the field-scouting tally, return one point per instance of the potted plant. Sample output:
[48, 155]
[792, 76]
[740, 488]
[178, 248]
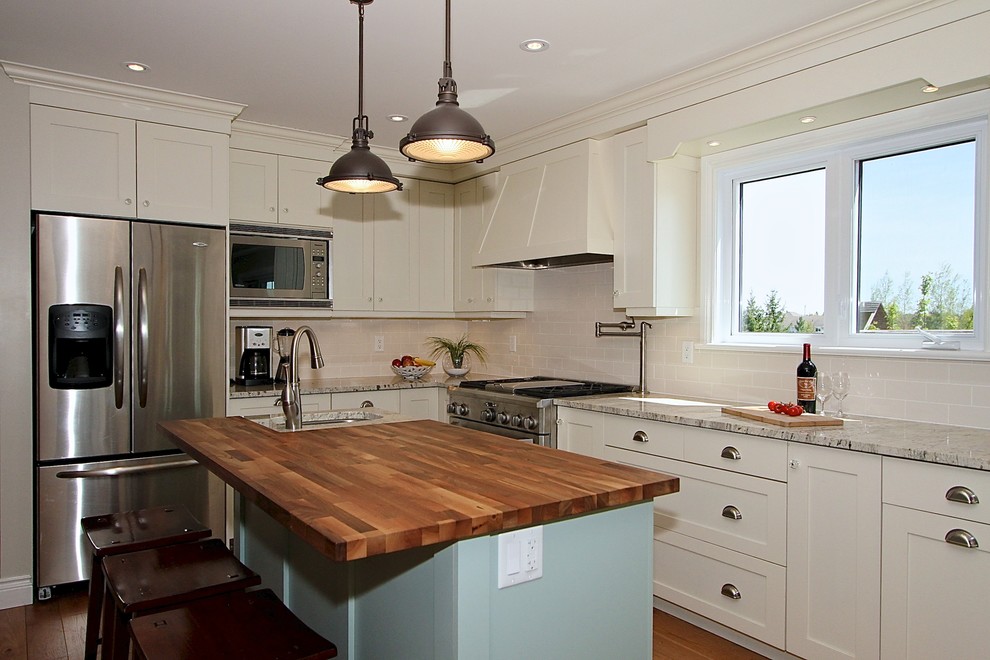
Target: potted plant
[455, 353]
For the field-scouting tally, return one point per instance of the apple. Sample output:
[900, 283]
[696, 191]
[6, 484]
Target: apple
[408, 361]
[397, 362]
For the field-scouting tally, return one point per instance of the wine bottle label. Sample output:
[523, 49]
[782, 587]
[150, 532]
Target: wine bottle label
[806, 389]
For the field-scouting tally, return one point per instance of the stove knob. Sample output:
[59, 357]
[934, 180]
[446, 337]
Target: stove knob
[502, 418]
[463, 410]
[517, 421]
[529, 423]
[452, 408]
[488, 415]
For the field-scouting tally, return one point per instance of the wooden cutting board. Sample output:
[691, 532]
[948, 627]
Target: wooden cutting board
[762, 414]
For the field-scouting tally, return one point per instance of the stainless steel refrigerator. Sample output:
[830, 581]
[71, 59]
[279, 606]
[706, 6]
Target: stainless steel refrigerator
[129, 330]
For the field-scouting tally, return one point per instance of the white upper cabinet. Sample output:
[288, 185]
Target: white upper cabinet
[656, 219]
[483, 289]
[269, 188]
[399, 258]
[89, 163]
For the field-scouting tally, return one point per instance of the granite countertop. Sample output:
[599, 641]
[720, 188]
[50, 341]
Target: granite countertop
[356, 384]
[355, 491]
[933, 443]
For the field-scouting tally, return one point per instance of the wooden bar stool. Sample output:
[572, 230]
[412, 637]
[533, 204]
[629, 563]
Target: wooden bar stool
[244, 625]
[149, 581]
[115, 533]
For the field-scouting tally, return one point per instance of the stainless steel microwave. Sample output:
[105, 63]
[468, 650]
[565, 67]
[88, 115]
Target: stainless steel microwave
[280, 267]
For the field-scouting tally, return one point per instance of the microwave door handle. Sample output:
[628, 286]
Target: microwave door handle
[142, 338]
[125, 470]
[118, 337]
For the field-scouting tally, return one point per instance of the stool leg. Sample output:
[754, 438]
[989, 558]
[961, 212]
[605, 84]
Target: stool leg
[121, 636]
[96, 589]
[109, 625]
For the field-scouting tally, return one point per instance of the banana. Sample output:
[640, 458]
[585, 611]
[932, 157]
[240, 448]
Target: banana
[423, 362]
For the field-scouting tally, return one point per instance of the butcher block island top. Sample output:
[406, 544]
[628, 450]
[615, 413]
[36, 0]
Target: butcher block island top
[357, 491]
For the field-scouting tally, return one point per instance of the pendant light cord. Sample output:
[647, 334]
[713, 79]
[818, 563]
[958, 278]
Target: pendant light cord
[360, 62]
[447, 69]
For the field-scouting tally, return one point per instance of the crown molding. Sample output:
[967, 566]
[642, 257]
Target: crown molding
[78, 92]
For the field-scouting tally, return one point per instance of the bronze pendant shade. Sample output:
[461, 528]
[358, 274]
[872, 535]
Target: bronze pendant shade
[359, 170]
[447, 134]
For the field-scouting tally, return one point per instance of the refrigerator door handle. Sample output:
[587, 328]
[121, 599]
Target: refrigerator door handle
[142, 347]
[118, 337]
[124, 471]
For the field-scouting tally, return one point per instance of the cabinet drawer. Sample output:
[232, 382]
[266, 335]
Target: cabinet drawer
[762, 457]
[266, 405]
[697, 575]
[735, 511]
[929, 487]
[385, 399]
[643, 435]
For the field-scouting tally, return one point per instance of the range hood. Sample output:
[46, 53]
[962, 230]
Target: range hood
[550, 211]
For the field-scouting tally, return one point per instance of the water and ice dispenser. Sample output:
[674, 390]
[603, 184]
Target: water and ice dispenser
[80, 346]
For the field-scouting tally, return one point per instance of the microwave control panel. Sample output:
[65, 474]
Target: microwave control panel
[319, 271]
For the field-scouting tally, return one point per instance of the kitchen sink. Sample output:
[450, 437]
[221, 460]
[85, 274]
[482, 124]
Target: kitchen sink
[331, 418]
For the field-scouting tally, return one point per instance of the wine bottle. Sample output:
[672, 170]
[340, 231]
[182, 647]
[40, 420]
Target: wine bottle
[807, 381]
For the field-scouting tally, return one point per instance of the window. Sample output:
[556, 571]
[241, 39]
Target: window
[855, 235]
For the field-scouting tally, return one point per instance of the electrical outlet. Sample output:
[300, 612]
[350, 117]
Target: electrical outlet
[379, 344]
[520, 556]
[512, 343]
[687, 352]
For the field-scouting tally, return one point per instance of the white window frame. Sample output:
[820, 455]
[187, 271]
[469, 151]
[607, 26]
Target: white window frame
[838, 149]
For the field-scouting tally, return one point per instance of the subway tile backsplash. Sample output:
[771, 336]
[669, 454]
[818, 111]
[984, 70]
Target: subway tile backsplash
[559, 340]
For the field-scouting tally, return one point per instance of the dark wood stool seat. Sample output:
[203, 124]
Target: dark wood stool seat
[252, 624]
[114, 533]
[152, 580]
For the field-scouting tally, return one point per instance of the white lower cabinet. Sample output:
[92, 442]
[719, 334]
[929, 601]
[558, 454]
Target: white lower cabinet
[417, 402]
[777, 540]
[833, 553]
[936, 567]
[269, 405]
[581, 431]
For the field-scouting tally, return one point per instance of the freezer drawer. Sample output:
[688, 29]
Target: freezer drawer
[67, 493]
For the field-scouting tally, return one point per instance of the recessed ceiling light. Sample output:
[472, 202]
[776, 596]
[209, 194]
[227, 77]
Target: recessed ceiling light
[929, 89]
[136, 66]
[808, 119]
[534, 45]
[397, 118]
[714, 143]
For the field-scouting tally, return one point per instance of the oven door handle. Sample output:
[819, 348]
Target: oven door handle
[535, 438]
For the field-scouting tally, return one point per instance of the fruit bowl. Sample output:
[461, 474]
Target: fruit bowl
[414, 372]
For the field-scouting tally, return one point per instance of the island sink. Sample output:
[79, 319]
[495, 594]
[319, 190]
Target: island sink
[330, 418]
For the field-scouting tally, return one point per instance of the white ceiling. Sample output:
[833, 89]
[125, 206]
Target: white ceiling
[294, 62]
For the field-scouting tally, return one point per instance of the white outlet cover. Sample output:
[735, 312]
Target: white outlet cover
[520, 556]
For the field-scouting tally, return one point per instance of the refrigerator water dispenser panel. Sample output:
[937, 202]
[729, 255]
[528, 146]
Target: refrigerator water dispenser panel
[80, 346]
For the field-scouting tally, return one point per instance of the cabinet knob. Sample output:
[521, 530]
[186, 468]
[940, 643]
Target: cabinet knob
[961, 538]
[794, 463]
[640, 436]
[731, 512]
[615, 292]
[285, 209]
[489, 299]
[370, 299]
[730, 591]
[146, 203]
[271, 209]
[381, 300]
[128, 201]
[962, 495]
[470, 300]
[731, 453]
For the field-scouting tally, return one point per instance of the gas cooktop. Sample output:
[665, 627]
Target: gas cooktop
[541, 387]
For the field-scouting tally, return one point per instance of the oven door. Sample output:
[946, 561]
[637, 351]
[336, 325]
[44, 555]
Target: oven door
[515, 434]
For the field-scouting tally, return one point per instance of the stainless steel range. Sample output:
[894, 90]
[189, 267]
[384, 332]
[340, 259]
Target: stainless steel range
[519, 408]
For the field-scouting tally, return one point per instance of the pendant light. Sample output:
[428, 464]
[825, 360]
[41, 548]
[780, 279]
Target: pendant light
[447, 134]
[359, 170]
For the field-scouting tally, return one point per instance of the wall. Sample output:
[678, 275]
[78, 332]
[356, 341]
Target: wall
[16, 527]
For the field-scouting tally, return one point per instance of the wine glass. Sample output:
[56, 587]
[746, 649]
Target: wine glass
[823, 392]
[840, 388]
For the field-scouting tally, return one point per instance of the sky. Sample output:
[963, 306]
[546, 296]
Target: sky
[917, 215]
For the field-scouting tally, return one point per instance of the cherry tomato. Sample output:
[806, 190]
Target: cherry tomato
[794, 410]
[779, 407]
[772, 405]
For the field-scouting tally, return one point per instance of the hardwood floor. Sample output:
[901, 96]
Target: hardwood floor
[54, 630]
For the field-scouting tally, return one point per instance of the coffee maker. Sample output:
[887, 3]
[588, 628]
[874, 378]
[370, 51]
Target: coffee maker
[253, 350]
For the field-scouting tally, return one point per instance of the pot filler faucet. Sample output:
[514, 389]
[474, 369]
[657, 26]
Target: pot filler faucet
[291, 406]
[623, 326]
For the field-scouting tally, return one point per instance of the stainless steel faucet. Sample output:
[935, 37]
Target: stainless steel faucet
[629, 325]
[291, 406]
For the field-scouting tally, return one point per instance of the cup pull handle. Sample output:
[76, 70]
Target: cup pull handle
[962, 495]
[731, 453]
[731, 512]
[730, 591]
[640, 436]
[961, 538]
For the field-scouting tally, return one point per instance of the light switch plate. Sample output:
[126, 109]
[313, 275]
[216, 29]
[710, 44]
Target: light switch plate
[520, 556]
